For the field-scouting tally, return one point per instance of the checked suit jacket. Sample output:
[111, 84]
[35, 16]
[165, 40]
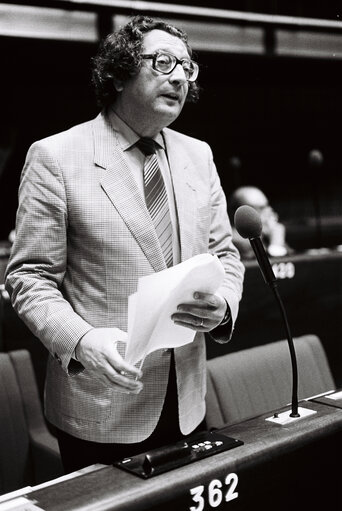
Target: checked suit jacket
[83, 239]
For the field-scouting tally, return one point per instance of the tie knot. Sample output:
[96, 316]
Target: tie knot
[147, 145]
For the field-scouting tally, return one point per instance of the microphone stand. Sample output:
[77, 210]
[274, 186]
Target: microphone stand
[270, 279]
[294, 407]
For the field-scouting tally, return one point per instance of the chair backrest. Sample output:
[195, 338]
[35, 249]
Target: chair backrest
[15, 335]
[29, 453]
[257, 380]
[16, 468]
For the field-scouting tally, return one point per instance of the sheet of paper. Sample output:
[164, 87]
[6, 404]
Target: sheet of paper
[149, 309]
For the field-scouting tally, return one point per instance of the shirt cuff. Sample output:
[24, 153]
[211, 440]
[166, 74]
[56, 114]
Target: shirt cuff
[223, 331]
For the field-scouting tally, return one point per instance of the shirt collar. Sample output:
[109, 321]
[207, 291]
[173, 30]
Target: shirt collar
[126, 135]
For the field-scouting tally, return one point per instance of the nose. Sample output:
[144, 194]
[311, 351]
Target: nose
[178, 75]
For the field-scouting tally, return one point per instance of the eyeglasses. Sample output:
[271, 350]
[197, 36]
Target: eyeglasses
[165, 63]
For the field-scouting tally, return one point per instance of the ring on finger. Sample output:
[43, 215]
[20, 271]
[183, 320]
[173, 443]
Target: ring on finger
[202, 322]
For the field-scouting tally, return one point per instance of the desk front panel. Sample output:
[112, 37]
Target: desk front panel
[275, 465]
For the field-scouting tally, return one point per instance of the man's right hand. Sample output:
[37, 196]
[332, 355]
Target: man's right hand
[97, 352]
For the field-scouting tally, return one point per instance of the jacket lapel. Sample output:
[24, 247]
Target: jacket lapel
[118, 183]
[185, 192]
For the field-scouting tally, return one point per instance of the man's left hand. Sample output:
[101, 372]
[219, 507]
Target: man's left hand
[204, 313]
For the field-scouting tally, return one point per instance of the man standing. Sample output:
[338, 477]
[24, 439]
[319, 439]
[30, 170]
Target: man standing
[101, 205]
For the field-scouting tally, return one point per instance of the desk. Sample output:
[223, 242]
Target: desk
[311, 289]
[274, 466]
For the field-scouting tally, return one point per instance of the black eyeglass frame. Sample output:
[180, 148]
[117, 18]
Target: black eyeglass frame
[177, 61]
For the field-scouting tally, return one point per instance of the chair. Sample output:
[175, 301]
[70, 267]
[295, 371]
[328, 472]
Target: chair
[29, 453]
[15, 335]
[258, 380]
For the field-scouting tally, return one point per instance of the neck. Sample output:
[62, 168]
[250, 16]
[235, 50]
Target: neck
[144, 127]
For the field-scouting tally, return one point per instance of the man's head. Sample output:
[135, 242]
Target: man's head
[247, 195]
[130, 74]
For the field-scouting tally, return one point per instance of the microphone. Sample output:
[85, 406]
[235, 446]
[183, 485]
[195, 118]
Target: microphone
[248, 224]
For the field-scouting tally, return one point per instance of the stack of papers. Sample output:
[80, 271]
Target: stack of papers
[150, 326]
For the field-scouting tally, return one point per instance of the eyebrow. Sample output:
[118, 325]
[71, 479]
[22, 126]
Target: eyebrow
[171, 52]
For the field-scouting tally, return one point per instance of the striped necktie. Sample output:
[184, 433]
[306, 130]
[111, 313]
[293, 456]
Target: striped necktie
[156, 197]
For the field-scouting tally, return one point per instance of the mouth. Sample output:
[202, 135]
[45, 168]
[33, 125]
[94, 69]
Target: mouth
[172, 96]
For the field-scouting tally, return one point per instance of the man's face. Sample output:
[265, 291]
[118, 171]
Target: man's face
[151, 100]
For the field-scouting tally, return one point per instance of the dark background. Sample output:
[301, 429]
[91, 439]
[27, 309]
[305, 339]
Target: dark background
[261, 114]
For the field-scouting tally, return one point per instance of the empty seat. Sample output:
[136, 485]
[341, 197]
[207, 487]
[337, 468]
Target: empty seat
[29, 453]
[257, 380]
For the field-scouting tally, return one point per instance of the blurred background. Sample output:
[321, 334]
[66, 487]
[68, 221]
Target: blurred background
[270, 106]
[270, 73]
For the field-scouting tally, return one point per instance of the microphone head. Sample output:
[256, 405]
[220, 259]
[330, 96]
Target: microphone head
[248, 222]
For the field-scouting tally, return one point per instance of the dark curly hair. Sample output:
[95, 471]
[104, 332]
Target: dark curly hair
[119, 57]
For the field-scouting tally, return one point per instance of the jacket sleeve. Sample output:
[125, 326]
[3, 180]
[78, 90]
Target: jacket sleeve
[38, 260]
[221, 244]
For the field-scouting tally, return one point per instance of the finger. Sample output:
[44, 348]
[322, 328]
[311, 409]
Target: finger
[210, 299]
[199, 328]
[123, 382]
[106, 382]
[187, 325]
[186, 318]
[196, 311]
[121, 366]
[128, 370]
[109, 373]
[193, 322]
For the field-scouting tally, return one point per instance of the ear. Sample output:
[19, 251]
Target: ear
[118, 84]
